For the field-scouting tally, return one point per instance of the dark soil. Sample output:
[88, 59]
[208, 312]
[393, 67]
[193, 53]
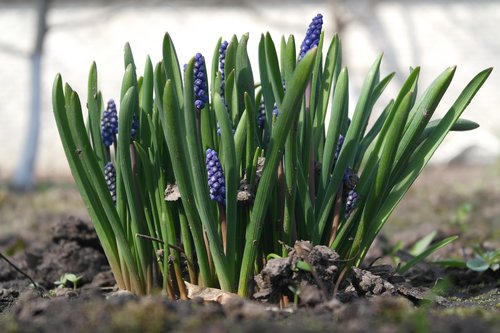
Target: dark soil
[45, 242]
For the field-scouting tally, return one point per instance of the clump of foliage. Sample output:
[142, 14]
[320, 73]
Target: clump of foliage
[287, 173]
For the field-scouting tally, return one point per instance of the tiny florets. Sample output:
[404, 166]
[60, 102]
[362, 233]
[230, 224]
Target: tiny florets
[200, 82]
[350, 179]
[135, 127]
[216, 180]
[110, 178]
[109, 124]
[350, 203]
[312, 35]
[340, 143]
[222, 63]
[261, 114]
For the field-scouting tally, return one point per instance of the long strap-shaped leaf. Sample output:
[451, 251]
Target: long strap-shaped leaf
[93, 187]
[348, 152]
[94, 104]
[421, 157]
[129, 106]
[232, 178]
[199, 181]
[289, 111]
[172, 130]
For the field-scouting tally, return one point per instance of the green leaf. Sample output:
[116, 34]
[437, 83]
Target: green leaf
[289, 111]
[349, 148]
[171, 67]
[199, 182]
[273, 69]
[244, 75]
[422, 244]
[403, 269]
[90, 179]
[339, 113]
[477, 264]
[128, 107]
[177, 146]
[452, 263]
[94, 105]
[230, 168]
[423, 154]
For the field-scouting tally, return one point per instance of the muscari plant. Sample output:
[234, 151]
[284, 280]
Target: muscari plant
[190, 181]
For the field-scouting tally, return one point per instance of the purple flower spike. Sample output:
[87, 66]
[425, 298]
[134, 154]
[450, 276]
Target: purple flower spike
[261, 115]
[352, 197]
[216, 180]
[340, 143]
[200, 82]
[110, 178]
[312, 35]
[135, 127]
[109, 124]
[222, 62]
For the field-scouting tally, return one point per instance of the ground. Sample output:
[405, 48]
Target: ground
[46, 233]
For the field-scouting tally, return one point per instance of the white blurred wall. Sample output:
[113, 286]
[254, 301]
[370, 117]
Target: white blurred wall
[431, 34]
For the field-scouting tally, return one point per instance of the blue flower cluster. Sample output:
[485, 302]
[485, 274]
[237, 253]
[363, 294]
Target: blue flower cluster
[222, 62]
[340, 143]
[352, 197]
[350, 181]
[135, 127]
[216, 181]
[200, 82]
[261, 114]
[312, 35]
[109, 124]
[110, 178]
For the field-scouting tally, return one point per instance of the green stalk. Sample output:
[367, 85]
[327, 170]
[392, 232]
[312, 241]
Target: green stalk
[289, 112]
[231, 177]
[420, 158]
[347, 154]
[170, 118]
[72, 130]
[199, 176]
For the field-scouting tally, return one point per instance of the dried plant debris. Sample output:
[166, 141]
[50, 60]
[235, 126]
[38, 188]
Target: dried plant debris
[379, 280]
[309, 271]
[209, 294]
[172, 193]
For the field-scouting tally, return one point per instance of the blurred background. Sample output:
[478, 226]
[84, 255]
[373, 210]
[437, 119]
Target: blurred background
[40, 38]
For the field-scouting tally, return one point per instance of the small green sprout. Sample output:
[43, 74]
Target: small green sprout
[296, 294]
[68, 277]
[484, 260]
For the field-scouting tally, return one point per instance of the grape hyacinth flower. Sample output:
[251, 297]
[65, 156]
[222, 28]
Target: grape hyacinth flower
[110, 178]
[275, 111]
[312, 35]
[340, 143]
[200, 82]
[135, 127]
[222, 62]
[216, 181]
[352, 197]
[261, 115]
[350, 179]
[219, 131]
[109, 124]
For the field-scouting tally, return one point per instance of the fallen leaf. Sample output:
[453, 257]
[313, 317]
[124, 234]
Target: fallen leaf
[209, 294]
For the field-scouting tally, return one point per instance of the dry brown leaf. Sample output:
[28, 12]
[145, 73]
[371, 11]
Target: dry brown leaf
[209, 294]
